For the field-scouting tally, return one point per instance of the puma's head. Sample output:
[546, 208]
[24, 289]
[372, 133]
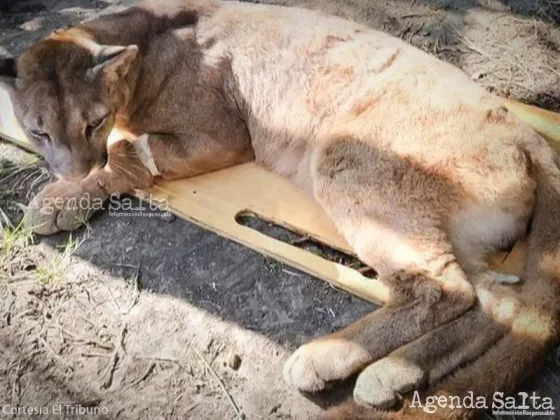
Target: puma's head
[66, 91]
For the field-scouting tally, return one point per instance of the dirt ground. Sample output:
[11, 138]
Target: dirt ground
[150, 317]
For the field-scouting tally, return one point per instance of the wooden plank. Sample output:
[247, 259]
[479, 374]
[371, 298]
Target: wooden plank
[9, 126]
[214, 201]
[546, 123]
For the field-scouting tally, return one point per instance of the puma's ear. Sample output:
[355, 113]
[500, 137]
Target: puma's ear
[8, 68]
[115, 61]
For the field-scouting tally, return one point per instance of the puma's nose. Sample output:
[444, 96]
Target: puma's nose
[52, 170]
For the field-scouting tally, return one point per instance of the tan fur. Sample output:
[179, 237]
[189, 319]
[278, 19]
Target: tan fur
[421, 170]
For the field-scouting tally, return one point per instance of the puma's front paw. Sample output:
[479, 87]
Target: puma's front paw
[315, 364]
[381, 383]
[63, 205]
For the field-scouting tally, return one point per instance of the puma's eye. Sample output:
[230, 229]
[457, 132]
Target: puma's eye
[41, 135]
[92, 127]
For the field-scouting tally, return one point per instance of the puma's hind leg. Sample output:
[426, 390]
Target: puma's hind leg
[422, 301]
[501, 312]
[427, 359]
[475, 232]
[394, 226]
[499, 370]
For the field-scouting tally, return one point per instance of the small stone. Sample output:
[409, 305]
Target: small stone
[478, 75]
[234, 361]
[32, 25]
[274, 409]
[36, 291]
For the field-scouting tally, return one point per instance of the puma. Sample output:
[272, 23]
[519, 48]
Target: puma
[421, 170]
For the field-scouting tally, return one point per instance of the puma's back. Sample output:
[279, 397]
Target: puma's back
[297, 78]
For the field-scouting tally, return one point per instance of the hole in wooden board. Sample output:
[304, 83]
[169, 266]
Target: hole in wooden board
[301, 240]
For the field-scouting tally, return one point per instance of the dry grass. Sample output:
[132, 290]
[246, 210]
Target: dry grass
[518, 67]
[54, 269]
[17, 182]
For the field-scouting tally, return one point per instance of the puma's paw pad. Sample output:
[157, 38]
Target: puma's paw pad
[39, 219]
[300, 372]
[315, 364]
[60, 206]
[381, 383]
[73, 218]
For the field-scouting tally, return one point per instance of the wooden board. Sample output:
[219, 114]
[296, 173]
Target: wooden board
[544, 122]
[9, 127]
[214, 200]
